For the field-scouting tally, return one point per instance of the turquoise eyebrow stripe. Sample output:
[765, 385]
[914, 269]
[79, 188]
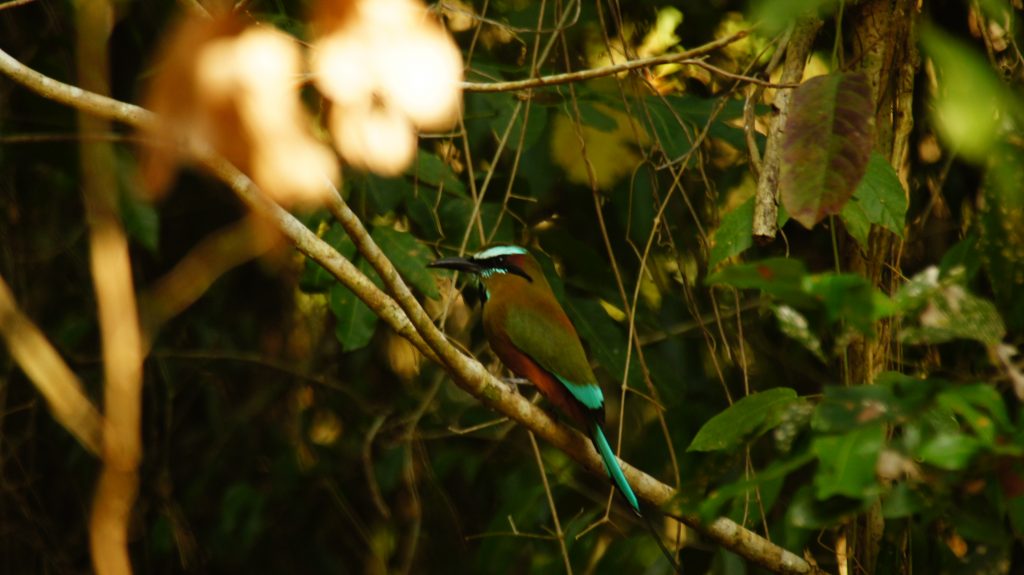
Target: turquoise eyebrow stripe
[499, 251]
[588, 394]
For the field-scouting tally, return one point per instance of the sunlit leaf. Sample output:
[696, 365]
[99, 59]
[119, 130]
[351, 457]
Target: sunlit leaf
[826, 146]
[775, 15]
[970, 97]
[847, 462]
[752, 415]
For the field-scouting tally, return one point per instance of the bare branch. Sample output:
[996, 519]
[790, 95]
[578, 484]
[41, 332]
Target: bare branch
[686, 57]
[120, 336]
[766, 202]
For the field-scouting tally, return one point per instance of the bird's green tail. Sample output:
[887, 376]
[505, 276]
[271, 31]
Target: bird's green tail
[611, 465]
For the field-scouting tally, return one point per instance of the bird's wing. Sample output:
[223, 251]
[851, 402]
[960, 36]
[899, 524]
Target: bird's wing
[548, 338]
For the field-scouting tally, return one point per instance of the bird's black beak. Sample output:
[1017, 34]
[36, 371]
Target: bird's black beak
[457, 264]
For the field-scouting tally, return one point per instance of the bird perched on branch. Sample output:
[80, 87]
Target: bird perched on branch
[531, 334]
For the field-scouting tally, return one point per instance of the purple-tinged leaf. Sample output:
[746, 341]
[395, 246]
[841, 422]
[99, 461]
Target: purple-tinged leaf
[826, 145]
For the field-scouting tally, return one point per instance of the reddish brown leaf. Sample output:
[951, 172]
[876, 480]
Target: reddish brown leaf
[826, 146]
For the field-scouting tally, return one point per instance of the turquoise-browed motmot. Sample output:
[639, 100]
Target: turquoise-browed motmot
[530, 333]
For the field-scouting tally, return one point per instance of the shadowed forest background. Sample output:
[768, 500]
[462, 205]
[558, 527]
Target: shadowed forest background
[790, 240]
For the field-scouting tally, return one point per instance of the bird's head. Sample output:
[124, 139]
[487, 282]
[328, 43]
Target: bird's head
[497, 266]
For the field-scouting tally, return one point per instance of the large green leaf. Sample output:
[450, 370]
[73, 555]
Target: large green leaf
[950, 451]
[826, 145]
[847, 462]
[879, 199]
[750, 416]
[734, 234]
[967, 109]
[849, 298]
[409, 256]
[957, 314]
[780, 277]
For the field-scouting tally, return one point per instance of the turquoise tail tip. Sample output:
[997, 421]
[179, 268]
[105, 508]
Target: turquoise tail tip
[611, 465]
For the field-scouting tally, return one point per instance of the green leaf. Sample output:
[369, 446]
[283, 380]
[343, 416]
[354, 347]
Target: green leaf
[409, 256]
[848, 408]
[314, 278]
[794, 324]
[849, 298]
[956, 313]
[750, 416]
[902, 501]
[806, 512]
[431, 169]
[881, 195]
[965, 255]
[949, 451]
[780, 277]
[847, 463]
[676, 118]
[981, 407]
[775, 15]
[506, 104]
[595, 118]
[1001, 230]
[355, 322]
[710, 507]
[734, 234]
[826, 145]
[968, 108]
[141, 221]
[856, 222]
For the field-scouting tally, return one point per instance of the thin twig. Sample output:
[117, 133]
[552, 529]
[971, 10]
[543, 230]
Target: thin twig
[559, 534]
[610, 70]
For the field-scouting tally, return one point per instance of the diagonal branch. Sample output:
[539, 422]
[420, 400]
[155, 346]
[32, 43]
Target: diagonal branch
[51, 376]
[405, 315]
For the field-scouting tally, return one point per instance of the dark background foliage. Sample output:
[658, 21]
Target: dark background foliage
[285, 431]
